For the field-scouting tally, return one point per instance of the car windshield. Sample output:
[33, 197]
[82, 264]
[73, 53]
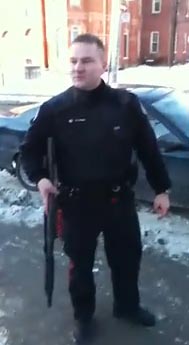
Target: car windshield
[175, 107]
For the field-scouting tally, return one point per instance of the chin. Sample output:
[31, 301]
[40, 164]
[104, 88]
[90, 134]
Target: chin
[80, 85]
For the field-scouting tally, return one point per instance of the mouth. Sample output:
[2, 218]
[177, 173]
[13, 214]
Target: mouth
[78, 77]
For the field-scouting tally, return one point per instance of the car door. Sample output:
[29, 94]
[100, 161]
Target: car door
[175, 154]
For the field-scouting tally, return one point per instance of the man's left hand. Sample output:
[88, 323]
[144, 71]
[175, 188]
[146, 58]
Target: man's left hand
[162, 204]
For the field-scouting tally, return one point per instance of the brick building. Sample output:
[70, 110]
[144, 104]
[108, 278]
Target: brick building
[147, 31]
[149, 34]
[182, 33]
[130, 40]
[165, 31]
[95, 16]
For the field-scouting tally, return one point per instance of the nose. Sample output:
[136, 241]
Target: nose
[78, 66]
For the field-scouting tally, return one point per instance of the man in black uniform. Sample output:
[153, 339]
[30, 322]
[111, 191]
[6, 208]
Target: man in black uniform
[95, 130]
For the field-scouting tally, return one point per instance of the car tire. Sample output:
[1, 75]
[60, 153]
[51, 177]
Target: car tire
[22, 177]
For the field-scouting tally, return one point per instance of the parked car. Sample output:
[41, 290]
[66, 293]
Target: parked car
[12, 131]
[168, 113]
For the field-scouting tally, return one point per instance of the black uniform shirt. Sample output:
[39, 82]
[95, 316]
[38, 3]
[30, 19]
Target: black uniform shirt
[94, 134]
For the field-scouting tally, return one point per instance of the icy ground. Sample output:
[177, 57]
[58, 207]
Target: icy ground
[169, 236]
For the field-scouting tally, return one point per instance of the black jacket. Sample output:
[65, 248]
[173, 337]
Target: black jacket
[94, 133]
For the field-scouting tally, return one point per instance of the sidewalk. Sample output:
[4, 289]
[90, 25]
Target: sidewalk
[26, 320]
[15, 91]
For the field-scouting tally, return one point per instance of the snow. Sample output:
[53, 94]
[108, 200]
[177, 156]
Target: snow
[17, 205]
[53, 82]
[3, 336]
[169, 235]
[176, 76]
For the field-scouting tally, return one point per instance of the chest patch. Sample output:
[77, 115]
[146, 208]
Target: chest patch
[81, 119]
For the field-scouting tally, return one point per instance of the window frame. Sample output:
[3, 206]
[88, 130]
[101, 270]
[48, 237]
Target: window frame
[152, 42]
[154, 2]
[75, 3]
[185, 41]
[72, 30]
[176, 43]
[126, 51]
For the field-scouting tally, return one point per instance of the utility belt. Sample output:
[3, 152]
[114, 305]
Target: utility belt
[94, 191]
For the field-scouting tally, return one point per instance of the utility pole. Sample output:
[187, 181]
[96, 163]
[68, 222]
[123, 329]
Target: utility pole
[119, 15]
[173, 32]
[114, 38]
[44, 32]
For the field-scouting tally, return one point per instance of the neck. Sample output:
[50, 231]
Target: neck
[90, 94]
[93, 87]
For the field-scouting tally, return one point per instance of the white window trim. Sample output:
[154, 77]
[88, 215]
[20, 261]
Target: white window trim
[187, 10]
[127, 49]
[78, 27]
[185, 42]
[151, 42]
[76, 3]
[176, 43]
[153, 6]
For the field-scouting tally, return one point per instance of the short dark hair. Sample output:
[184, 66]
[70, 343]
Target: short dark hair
[90, 39]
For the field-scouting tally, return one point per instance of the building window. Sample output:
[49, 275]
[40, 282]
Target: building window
[154, 42]
[75, 3]
[125, 45]
[75, 31]
[156, 6]
[187, 9]
[176, 43]
[185, 43]
[4, 34]
[58, 33]
[27, 32]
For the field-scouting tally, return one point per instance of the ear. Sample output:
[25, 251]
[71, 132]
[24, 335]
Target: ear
[104, 65]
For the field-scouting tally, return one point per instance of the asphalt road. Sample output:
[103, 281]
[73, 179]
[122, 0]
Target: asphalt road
[25, 318]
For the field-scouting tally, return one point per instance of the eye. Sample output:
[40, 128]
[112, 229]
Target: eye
[87, 60]
[73, 61]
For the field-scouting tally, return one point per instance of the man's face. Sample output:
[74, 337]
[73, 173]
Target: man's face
[87, 65]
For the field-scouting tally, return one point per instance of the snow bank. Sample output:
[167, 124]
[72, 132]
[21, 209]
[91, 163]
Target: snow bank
[3, 336]
[169, 235]
[18, 205]
[51, 82]
[176, 76]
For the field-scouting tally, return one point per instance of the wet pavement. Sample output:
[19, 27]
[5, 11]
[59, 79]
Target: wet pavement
[25, 318]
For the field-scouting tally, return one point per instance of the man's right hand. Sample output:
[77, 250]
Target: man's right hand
[45, 188]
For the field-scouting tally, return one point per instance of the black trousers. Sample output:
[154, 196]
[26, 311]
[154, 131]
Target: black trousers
[84, 219]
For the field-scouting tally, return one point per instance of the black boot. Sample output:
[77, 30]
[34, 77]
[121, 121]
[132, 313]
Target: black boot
[141, 317]
[84, 331]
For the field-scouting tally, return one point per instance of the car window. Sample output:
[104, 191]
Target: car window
[167, 141]
[175, 106]
[159, 129]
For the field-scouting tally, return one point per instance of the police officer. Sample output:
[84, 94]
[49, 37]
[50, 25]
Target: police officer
[95, 129]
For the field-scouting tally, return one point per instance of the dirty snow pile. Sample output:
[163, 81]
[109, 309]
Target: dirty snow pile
[17, 205]
[169, 235]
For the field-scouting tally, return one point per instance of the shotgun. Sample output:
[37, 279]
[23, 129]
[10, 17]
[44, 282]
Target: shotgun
[52, 224]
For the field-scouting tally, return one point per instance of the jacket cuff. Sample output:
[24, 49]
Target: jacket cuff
[38, 177]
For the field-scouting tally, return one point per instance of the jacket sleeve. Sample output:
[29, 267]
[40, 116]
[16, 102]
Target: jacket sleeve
[148, 151]
[34, 147]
